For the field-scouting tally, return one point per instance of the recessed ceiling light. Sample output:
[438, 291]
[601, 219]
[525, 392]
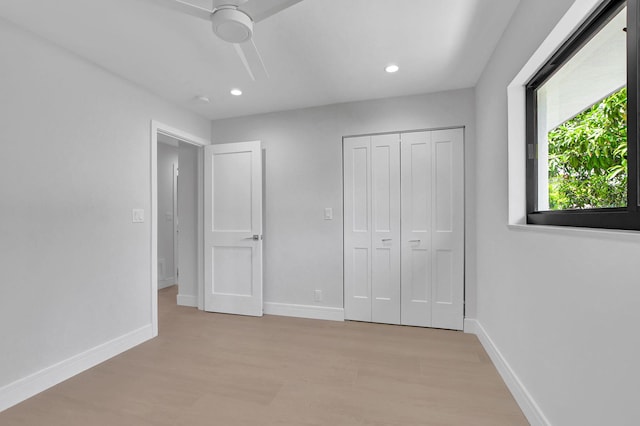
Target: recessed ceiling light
[202, 99]
[392, 68]
[236, 92]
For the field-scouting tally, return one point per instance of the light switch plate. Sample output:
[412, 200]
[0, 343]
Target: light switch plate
[137, 215]
[328, 213]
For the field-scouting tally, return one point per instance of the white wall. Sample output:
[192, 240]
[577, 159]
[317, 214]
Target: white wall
[561, 307]
[303, 175]
[74, 160]
[167, 160]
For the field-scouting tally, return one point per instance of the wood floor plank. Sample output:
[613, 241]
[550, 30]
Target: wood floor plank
[229, 370]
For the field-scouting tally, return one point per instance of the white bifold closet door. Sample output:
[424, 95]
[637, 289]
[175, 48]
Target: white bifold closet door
[404, 228]
[372, 228]
[433, 229]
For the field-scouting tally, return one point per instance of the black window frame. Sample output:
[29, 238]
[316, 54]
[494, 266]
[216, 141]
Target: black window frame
[627, 218]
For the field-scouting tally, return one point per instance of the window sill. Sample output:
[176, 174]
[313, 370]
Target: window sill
[615, 234]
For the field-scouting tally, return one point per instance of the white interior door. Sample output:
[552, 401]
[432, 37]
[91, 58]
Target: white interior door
[432, 182]
[233, 228]
[357, 228]
[385, 212]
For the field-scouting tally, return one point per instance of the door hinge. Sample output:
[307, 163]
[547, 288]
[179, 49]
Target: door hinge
[532, 153]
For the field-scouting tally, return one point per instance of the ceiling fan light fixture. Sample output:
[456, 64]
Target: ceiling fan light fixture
[232, 25]
[391, 68]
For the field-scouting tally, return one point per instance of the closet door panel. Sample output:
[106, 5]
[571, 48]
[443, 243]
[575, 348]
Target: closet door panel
[443, 184]
[385, 177]
[357, 228]
[360, 273]
[416, 202]
[448, 229]
[418, 271]
[417, 197]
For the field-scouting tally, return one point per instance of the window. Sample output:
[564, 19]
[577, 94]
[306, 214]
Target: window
[582, 119]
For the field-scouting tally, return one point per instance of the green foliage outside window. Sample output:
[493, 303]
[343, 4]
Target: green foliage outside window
[588, 157]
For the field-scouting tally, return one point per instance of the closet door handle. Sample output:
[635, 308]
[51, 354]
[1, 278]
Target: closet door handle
[386, 239]
[414, 241]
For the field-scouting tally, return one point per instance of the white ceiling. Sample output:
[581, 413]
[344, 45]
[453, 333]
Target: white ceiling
[317, 52]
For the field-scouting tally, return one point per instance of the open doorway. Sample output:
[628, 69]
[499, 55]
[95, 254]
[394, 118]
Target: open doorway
[176, 217]
[168, 220]
[177, 225]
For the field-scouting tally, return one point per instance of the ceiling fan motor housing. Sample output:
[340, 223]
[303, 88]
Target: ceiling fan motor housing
[232, 25]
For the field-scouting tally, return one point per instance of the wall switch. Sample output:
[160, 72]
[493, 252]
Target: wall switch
[317, 295]
[328, 213]
[137, 215]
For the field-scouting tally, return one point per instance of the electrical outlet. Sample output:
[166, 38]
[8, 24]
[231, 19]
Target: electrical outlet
[317, 295]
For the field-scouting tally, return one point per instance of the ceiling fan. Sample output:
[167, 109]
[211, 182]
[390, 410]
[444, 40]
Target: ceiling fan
[233, 21]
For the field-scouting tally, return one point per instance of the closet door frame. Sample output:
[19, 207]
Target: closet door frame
[449, 313]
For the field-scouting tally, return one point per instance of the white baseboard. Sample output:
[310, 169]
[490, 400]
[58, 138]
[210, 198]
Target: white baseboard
[304, 311]
[187, 300]
[25, 388]
[471, 326]
[527, 404]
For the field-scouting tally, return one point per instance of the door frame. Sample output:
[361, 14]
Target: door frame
[176, 224]
[198, 142]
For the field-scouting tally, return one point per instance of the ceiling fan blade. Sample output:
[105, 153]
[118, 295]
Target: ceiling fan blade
[252, 60]
[187, 8]
[262, 9]
[237, 3]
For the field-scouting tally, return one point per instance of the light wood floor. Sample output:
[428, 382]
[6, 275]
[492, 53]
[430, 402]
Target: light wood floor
[213, 369]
